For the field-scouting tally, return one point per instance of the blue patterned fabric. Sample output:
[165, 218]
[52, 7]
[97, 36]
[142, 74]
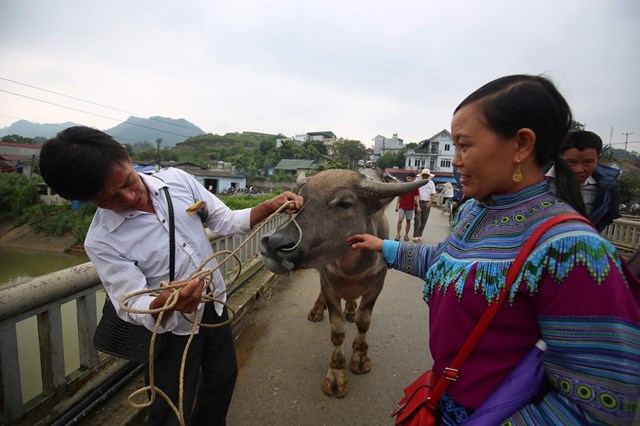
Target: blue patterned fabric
[452, 413]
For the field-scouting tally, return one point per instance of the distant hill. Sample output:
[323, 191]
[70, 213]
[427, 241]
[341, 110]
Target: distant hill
[135, 129]
[172, 131]
[28, 129]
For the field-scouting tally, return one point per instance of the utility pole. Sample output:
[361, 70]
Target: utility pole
[610, 136]
[626, 139]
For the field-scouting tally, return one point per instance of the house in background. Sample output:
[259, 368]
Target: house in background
[19, 157]
[328, 139]
[294, 167]
[435, 153]
[383, 144]
[217, 181]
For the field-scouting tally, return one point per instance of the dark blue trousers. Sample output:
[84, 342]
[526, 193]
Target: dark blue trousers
[211, 352]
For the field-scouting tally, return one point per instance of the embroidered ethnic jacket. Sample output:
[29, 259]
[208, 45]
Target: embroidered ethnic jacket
[572, 292]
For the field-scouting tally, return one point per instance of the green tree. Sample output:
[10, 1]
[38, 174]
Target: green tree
[266, 146]
[607, 155]
[17, 192]
[349, 151]
[17, 139]
[390, 159]
[576, 125]
[288, 150]
[314, 150]
[629, 186]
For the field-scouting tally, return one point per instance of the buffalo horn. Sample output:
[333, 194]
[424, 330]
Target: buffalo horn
[375, 189]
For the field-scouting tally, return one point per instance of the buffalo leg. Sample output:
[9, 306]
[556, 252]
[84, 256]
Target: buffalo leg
[336, 383]
[316, 314]
[350, 310]
[360, 361]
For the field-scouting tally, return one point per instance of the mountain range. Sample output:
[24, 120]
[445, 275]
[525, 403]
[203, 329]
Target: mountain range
[134, 129]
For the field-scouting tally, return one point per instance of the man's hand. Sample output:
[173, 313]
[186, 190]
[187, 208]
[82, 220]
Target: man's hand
[268, 207]
[189, 297]
[287, 197]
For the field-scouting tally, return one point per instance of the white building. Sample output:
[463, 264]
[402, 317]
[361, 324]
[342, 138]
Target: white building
[382, 145]
[435, 154]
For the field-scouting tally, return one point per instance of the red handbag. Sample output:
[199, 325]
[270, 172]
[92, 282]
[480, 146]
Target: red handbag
[413, 410]
[419, 405]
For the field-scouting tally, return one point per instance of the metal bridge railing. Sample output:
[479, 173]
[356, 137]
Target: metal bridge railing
[624, 234]
[46, 299]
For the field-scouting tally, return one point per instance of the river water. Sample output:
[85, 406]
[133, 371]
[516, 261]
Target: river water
[17, 264]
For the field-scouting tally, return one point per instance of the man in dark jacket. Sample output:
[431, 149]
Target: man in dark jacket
[582, 149]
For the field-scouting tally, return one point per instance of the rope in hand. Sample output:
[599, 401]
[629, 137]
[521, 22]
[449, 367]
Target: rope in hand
[208, 296]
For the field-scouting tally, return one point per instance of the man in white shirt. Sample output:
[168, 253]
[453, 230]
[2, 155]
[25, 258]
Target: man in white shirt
[422, 214]
[128, 242]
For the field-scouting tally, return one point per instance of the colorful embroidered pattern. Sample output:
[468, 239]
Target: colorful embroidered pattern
[579, 347]
[487, 240]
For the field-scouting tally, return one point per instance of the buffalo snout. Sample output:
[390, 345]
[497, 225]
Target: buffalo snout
[277, 253]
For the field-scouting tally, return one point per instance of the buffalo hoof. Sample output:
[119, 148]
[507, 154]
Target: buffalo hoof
[316, 315]
[336, 383]
[360, 363]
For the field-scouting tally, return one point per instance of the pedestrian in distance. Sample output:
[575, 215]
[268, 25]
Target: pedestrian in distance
[573, 292]
[404, 206]
[128, 242]
[423, 208]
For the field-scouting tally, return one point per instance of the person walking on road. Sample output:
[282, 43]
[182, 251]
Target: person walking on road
[424, 205]
[404, 206]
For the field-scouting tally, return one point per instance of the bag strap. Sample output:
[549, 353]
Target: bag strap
[451, 373]
[172, 236]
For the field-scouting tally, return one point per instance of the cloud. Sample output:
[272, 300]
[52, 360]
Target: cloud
[354, 67]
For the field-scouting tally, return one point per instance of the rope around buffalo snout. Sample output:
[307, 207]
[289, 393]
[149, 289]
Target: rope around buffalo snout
[208, 296]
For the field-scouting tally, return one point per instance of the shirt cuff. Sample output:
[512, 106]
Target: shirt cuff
[389, 251]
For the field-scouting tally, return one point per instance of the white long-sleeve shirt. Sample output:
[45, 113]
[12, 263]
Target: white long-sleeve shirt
[130, 250]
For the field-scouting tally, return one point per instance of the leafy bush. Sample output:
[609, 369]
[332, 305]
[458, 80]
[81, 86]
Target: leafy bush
[17, 192]
[80, 227]
[57, 221]
[237, 202]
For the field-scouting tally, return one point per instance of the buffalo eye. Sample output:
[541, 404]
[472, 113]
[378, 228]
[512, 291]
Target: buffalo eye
[345, 204]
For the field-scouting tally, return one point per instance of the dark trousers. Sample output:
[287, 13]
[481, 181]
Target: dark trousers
[211, 352]
[421, 219]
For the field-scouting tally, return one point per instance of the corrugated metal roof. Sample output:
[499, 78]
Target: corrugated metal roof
[295, 165]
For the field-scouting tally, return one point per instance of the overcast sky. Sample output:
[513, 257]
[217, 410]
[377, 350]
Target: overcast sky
[357, 68]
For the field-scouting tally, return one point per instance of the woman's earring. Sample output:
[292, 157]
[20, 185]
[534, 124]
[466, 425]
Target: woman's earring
[517, 175]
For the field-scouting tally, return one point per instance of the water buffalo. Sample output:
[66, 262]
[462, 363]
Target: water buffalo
[338, 204]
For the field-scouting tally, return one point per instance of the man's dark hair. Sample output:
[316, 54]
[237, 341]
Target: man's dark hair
[411, 174]
[581, 140]
[78, 161]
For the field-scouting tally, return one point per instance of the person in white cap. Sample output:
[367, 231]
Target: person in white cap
[422, 214]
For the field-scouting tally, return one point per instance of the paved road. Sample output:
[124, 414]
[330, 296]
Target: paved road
[284, 357]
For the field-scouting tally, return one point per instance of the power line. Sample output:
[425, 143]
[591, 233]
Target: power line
[93, 113]
[96, 103]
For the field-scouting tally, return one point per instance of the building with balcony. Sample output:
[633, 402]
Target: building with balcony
[435, 153]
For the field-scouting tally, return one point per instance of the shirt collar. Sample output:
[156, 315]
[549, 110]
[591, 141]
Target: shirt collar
[590, 181]
[114, 219]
